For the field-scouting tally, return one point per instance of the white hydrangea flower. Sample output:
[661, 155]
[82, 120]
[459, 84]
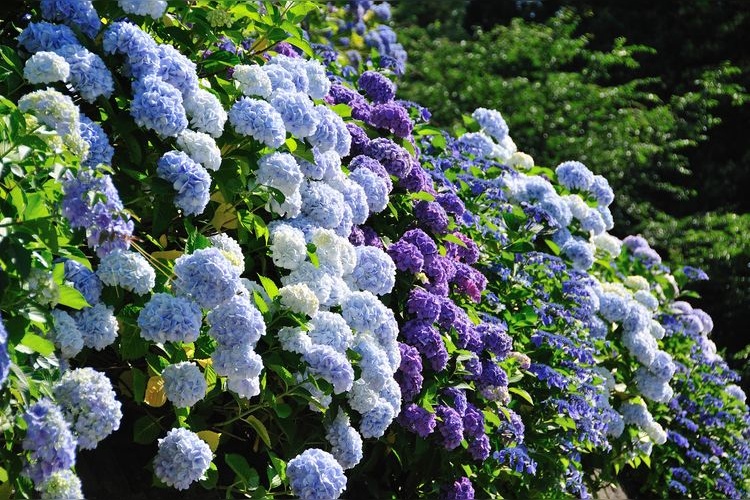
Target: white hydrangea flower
[153, 8]
[252, 80]
[608, 243]
[229, 247]
[288, 247]
[294, 340]
[299, 298]
[201, 148]
[521, 160]
[206, 112]
[46, 67]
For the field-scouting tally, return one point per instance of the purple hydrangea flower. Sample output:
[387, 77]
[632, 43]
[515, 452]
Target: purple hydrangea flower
[393, 117]
[432, 215]
[395, 159]
[377, 86]
[459, 490]
[406, 256]
[417, 420]
[450, 425]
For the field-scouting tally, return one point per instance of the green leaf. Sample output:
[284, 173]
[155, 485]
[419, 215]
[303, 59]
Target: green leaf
[260, 429]
[269, 286]
[283, 410]
[38, 344]
[454, 239]
[242, 468]
[146, 430]
[422, 195]
[523, 393]
[212, 477]
[139, 384]
[132, 345]
[71, 297]
[343, 110]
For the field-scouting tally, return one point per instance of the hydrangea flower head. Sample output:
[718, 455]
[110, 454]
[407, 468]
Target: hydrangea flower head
[191, 181]
[201, 148]
[177, 70]
[315, 475]
[206, 276]
[49, 441]
[206, 112]
[62, 484]
[252, 80]
[100, 150]
[492, 122]
[182, 459]
[236, 321]
[393, 117]
[375, 271]
[319, 84]
[88, 72]
[157, 105]
[44, 36]
[168, 318]
[375, 188]
[46, 67]
[299, 298]
[259, 120]
[88, 403]
[184, 384]
[140, 50]
[288, 246]
[129, 270]
[280, 171]
[84, 280]
[65, 334]
[574, 175]
[153, 8]
[98, 326]
[377, 87]
[75, 13]
[396, 160]
[57, 111]
[297, 112]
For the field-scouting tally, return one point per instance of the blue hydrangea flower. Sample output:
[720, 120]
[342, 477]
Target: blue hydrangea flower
[140, 50]
[168, 318]
[98, 326]
[580, 252]
[295, 66]
[100, 150]
[319, 84]
[153, 8]
[184, 384]
[44, 36]
[206, 112]
[375, 271]
[157, 105]
[88, 73]
[236, 321]
[66, 334]
[237, 362]
[46, 67]
[322, 204]
[297, 111]
[355, 199]
[206, 276]
[574, 175]
[51, 445]
[373, 363]
[602, 191]
[328, 328]
[280, 78]
[84, 280]
[259, 120]
[375, 188]
[75, 13]
[61, 484]
[177, 70]
[330, 125]
[129, 270]
[346, 443]
[492, 122]
[315, 475]
[55, 110]
[201, 148]
[376, 420]
[593, 222]
[191, 181]
[280, 171]
[182, 459]
[330, 365]
[88, 403]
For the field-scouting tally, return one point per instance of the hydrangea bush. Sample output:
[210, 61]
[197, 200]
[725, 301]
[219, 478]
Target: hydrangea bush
[227, 244]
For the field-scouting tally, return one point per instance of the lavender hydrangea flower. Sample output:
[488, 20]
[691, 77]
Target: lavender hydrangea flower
[297, 112]
[88, 72]
[140, 50]
[330, 365]
[377, 87]
[157, 105]
[84, 280]
[168, 318]
[346, 443]
[182, 459]
[98, 326]
[393, 117]
[492, 122]
[191, 181]
[88, 403]
[48, 440]
[450, 425]
[395, 159]
[206, 276]
[375, 188]
[432, 215]
[574, 175]
[375, 271]
[65, 334]
[259, 120]
[236, 321]
[602, 191]
[315, 475]
[406, 257]
[44, 36]
[184, 384]
[75, 13]
[459, 490]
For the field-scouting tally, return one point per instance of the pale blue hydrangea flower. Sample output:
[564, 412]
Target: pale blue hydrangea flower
[66, 334]
[88, 73]
[335, 253]
[330, 125]
[375, 188]
[61, 485]
[602, 191]
[319, 84]
[297, 111]
[236, 321]
[476, 144]
[314, 277]
[574, 175]
[75, 13]
[374, 272]
[206, 276]
[531, 188]
[376, 369]
[354, 197]
[100, 151]
[152, 8]
[322, 204]
[613, 307]
[637, 318]
[662, 367]
[491, 122]
[84, 280]
[608, 243]
[237, 361]
[362, 398]
[346, 443]
[182, 459]
[652, 387]
[46, 67]
[641, 345]
[168, 318]
[140, 50]
[657, 331]
[279, 77]
[362, 311]
[556, 207]
[244, 387]
[201, 148]
[49, 441]
[648, 300]
[580, 252]
[391, 391]
[288, 246]
[294, 340]
[231, 250]
[184, 384]
[252, 80]
[280, 171]
[295, 66]
[330, 365]
[206, 112]
[299, 298]
[638, 415]
[44, 36]
[259, 120]
[98, 326]
[88, 403]
[129, 270]
[375, 421]
[736, 392]
[593, 222]
[606, 214]
[343, 140]
[191, 181]
[55, 110]
[157, 105]
[177, 70]
[328, 328]
[291, 206]
[315, 475]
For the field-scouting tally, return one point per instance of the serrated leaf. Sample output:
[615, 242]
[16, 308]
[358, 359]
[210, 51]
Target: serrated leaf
[269, 286]
[70, 297]
[242, 468]
[260, 429]
[38, 344]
